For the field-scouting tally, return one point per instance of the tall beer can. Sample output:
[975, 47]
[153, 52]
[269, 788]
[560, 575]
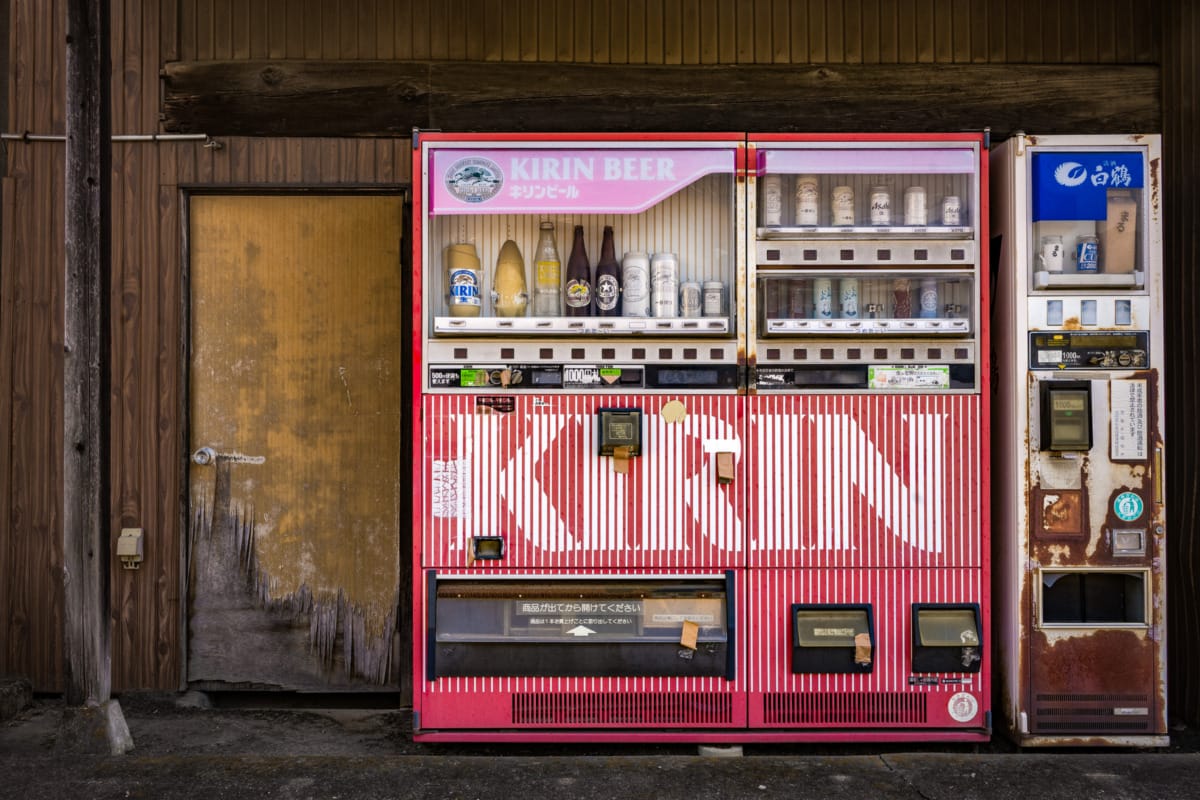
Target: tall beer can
[881, 206]
[841, 205]
[772, 199]
[915, 211]
[822, 298]
[951, 210]
[635, 285]
[929, 298]
[689, 299]
[848, 297]
[1087, 254]
[664, 284]
[807, 200]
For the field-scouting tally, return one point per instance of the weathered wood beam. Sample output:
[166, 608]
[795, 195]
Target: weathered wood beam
[388, 98]
[86, 376]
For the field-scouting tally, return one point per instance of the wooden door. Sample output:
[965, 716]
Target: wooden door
[295, 426]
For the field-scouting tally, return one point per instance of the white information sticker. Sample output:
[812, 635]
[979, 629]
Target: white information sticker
[450, 482]
[898, 377]
[1129, 420]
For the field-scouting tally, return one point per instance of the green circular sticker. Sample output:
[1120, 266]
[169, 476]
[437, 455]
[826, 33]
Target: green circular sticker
[1128, 506]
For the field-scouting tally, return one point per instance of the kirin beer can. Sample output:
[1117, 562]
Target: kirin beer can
[664, 284]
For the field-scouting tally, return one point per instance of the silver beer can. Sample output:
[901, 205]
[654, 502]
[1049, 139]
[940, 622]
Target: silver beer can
[841, 205]
[772, 198]
[664, 284]
[951, 210]
[915, 211]
[807, 200]
[881, 206]
[635, 285]
[714, 298]
[689, 299]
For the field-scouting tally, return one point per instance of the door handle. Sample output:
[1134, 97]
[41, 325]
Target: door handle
[207, 455]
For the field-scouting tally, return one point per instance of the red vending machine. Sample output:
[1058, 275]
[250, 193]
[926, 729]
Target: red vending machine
[867, 552]
[579, 520]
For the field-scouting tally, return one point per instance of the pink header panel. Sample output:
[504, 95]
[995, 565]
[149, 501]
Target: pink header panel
[911, 161]
[600, 181]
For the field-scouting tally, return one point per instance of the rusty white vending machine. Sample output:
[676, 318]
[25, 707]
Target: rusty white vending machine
[1078, 426]
[867, 577]
[579, 525]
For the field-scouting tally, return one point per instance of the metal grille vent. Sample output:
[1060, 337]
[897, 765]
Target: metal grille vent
[1091, 713]
[632, 708]
[844, 709]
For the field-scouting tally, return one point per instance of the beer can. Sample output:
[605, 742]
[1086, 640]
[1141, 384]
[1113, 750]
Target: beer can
[772, 199]
[951, 210]
[881, 206]
[848, 297]
[714, 298]
[901, 299]
[841, 204]
[1087, 254]
[664, 284]
[635, 285]
[929, 298]
[915, 212]
[822, 298]
[689, 299]
[807, 200]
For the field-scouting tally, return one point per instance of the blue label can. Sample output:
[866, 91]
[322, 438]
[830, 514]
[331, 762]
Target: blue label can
[1087, 254]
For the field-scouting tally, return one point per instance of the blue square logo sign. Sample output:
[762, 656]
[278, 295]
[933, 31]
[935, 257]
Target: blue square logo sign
[1069, 186]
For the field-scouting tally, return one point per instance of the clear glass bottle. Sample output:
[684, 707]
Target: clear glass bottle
[547, 282]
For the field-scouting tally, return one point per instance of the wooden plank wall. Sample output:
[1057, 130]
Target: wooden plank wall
[147, 424]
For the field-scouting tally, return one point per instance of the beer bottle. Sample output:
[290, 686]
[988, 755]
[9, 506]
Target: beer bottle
[608, 278]
[547, 278]
[579, 279]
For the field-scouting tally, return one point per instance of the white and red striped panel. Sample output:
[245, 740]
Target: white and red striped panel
[865, 480]
[533, 476]
[891, 594]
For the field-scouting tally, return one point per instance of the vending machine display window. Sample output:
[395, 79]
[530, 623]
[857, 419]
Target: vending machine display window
[832, 638]
[1093, 597]
[946, 637]
[1086, 227]
[532, 626]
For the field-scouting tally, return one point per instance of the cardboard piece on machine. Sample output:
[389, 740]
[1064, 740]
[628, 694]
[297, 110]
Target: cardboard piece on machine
[673, 412]
[725, 468]
[862, 648]
[620, 459]
[689, 635]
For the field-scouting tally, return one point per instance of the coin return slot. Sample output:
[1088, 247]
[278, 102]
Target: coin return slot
[921, 255]
[689, 353]
[546, 352]
[773, 354]
[832, 639]
[881, 353]
[506, 352]
[773, 255]
[883, 255]
[638, 352]
[846, 255]
[945, 638]
[810, 255]
[664, 353]
[460, 352]
[962, 352]
[827, 353]
[934, 352]
[608, 353]
[578, 352]
[907, 352]
[800, 354]
[958, 255]
[854, 353]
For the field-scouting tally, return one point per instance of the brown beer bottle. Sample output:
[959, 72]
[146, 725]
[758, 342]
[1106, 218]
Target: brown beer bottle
[608, 278]
[579, 279]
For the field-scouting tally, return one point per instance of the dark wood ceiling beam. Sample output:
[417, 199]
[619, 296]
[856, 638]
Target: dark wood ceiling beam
[387, 98]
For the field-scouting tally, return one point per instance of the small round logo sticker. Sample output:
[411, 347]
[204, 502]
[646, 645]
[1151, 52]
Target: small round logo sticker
[963, 707]
[1128, 506]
